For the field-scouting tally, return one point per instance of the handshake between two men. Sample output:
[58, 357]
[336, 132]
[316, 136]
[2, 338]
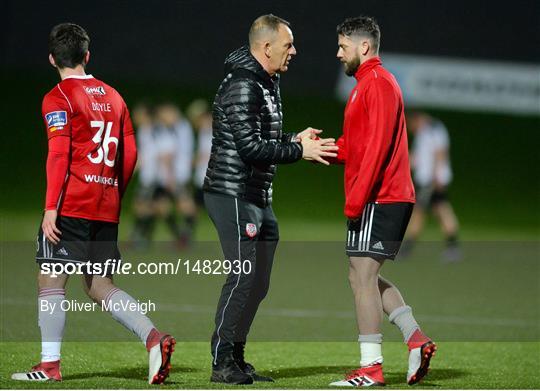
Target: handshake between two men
[315, 148]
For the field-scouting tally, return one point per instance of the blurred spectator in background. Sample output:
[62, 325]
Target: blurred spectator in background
[432, 174]
[166, 146]
[143, 204]
[170, 128]
[200, 116]
[183, 170]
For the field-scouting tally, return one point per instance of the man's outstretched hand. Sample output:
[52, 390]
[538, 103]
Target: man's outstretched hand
[319, 148]
[308, 132]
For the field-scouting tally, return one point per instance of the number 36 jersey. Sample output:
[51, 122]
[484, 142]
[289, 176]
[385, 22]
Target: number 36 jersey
[96, 119]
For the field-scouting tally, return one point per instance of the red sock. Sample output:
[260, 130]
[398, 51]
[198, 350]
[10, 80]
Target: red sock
[153, 339]
[417, 339]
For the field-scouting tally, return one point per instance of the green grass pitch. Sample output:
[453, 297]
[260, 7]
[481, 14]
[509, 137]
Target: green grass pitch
[484, 313]
[293, 365]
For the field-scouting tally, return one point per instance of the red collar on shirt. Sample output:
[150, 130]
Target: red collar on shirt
[367, 66]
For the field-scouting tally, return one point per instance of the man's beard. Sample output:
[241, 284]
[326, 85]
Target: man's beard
[352, 66]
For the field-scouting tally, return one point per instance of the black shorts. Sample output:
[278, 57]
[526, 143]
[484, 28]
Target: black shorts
[426, 196]
[81, 240]
[378, 233]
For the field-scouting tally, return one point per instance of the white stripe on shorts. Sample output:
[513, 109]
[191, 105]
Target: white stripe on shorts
[361, 233]
[370, 225]
[365, 227]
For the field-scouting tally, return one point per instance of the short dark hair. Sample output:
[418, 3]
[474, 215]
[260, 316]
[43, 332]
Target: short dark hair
[68, 44]
[364, 26]
[264, 24]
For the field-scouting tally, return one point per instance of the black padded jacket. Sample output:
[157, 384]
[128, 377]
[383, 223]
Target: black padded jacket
[248, 140]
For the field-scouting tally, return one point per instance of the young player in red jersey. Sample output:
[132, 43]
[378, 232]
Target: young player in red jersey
[91, 157]
[379, 198]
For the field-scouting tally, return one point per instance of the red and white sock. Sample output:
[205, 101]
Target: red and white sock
[133, 320]
[153, 339]
[403, 318]
[51, 320]
[417, 339]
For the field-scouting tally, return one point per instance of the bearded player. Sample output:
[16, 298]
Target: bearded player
[379, 198]
[91, 156]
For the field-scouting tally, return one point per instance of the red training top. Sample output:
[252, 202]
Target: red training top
[92, 149]
[373, 146]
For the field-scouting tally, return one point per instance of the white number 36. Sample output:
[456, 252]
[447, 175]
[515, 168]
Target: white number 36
[103, 150]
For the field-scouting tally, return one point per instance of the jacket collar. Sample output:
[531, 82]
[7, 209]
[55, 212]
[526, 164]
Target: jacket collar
[242, 58]
[366, 67]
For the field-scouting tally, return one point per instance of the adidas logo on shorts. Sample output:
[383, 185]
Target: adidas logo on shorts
[378, 246]
[62, 251]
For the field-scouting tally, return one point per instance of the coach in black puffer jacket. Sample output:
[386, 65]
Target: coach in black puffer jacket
[247, 144]
[248, 140]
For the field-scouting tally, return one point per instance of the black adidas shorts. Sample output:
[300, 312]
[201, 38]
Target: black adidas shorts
[379, 231]
[81, 240]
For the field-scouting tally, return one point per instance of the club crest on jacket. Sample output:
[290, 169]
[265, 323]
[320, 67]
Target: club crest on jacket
[251, 230]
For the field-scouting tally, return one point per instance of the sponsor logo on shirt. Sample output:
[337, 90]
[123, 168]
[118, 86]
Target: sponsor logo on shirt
[56, 120]
[99, 90]
[92, 178]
